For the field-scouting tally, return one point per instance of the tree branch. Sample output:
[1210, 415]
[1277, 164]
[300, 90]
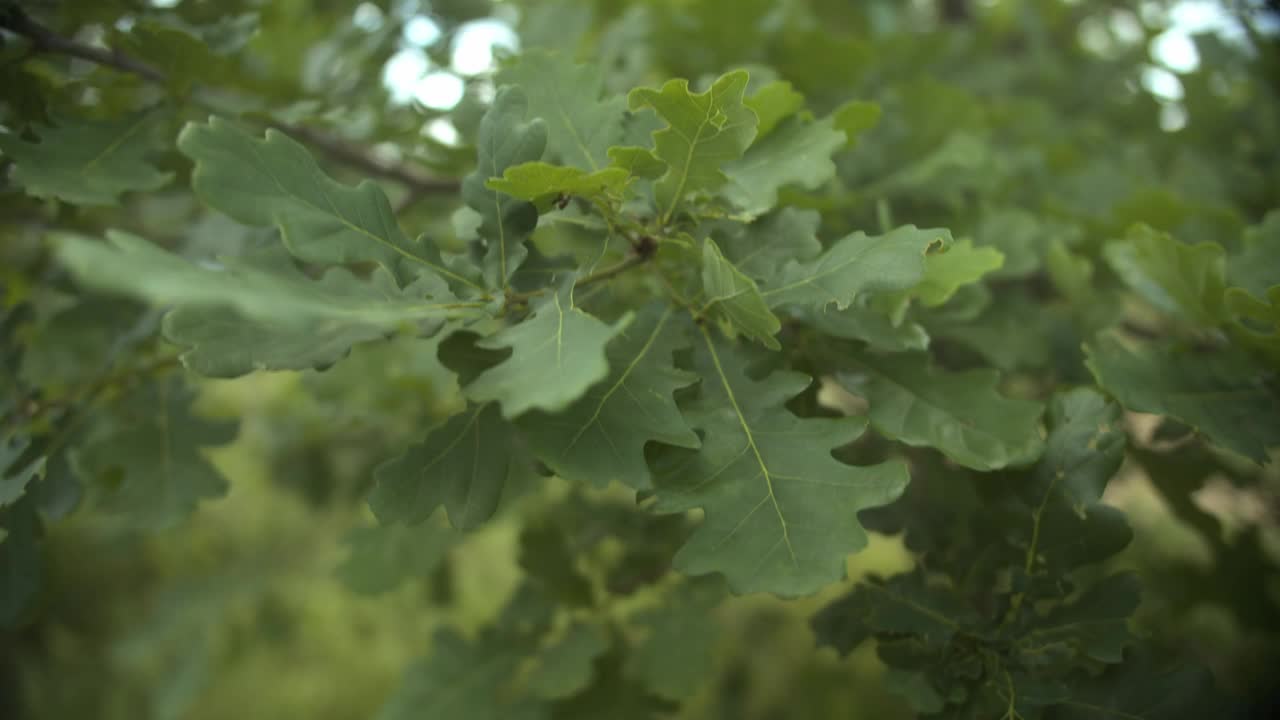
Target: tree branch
[45, 40]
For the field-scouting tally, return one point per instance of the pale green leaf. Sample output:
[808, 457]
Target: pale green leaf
[557, 354]
[961, 414]
[505, 139]
[705, 132]
[539, 182]
[462, 464]
[734, 299]
[855, 265]
[88, 162]
[1219, 393]
[602, 436]
[855, 118]
[953, 267]
[780, 513]
[581, 126]
[637, 161]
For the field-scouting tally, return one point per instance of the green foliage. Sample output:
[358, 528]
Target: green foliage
[619, 389]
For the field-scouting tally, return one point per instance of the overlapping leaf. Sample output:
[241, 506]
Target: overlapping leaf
[462, 464]
[505, 139]
[276, 182]
[960, 414]
[86, 162]
[734, 299]
[797, 153]
[146, 458]
[705, 132]
[581, 126]
[1184, 280]
[602, 436]
[856, 264]
[243, 317]
[556, 356]
[780, 513]
[539, 182]
[1219, 393]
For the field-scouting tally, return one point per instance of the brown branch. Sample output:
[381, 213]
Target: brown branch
[45, 40]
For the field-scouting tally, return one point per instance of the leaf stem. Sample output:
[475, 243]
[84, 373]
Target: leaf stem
[45, 40]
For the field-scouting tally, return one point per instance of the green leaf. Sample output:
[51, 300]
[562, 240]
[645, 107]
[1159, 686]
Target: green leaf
[960, 414]
[1180, 279]
[867, 324]
[904, 603]
[1142, 689]
[773, 103]
[465, 680]
[581, 127]
[275, 182]
[854, 265]
[780, 516]
[856, 117]
[557, 354]
[383, 557]
[1256, 324]
[674, 656]
[145, 456]
[734, 299]
[1256, 268]
[243, 318]
[462, 464]
[186, 59]
[15, 476]
[1218, 393]
[88, 162]
[1018, 235]
[1095, 624]
[21, 566]
[564, 665]
[505, 139]
[797, 153]
[762, 247]
[705, 131]
[601, 437]
[540, 182]
[1084, 449]
[953, 267]
[637, 161]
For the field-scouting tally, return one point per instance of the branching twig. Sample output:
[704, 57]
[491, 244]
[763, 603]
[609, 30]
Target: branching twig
[45, 40]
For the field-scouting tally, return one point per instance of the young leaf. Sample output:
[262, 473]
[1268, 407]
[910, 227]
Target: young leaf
[462, 464]
[637, 161]
[557, 355]
[780, 515]
[958, 265]
[88, 163]
[1218, 393]
[856, 117]
[602, 436]
[505, 139]
[854, 265]
[961, 414]
[540, 182]
[706, 131]
[581, 127]
[276, 182]
[734, 299]
[153, 443]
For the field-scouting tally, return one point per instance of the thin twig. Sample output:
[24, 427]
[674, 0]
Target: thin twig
[45, 40]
